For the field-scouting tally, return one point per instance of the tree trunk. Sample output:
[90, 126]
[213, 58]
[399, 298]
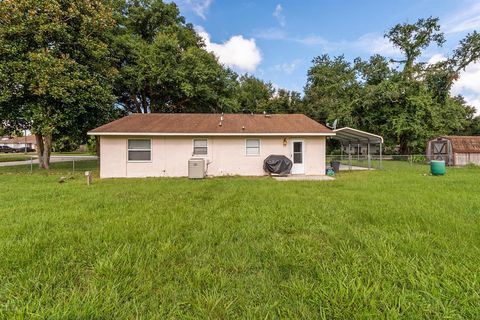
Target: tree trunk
[47, 149]
[44, 147]
[40, 147]
[404, 149]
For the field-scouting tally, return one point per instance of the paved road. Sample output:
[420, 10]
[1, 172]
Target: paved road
[53, 159]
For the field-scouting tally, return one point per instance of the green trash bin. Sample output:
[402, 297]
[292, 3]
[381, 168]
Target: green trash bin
[437, 167]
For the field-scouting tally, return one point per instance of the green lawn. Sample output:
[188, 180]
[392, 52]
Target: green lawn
[73, 153]
[15, 157]
[390, 244]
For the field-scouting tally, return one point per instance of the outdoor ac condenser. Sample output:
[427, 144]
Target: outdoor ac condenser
[196, 168]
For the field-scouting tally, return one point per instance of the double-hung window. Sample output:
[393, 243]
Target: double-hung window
[252, 147]
[139, 150]
[200, 147]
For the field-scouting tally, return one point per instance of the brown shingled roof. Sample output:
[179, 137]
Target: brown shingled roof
[465, 144]
[194, 123]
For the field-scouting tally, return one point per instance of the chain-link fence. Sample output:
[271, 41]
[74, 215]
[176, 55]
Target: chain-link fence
[25, 163]
[365, 162]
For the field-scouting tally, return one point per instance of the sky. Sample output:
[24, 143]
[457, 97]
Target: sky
[277, 40]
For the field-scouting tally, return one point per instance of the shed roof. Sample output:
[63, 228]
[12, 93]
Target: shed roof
[213, 124]
[464, 144]
[350, 135]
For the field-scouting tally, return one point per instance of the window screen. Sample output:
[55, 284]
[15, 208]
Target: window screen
[252, 147]
[139, 150]
[200, 147]
[297, 152]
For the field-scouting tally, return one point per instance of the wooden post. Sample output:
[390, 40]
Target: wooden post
[88, 174]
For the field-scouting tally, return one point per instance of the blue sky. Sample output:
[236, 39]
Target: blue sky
[276, 40]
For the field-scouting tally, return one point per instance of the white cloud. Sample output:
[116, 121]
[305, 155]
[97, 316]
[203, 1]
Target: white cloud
[200, 7]
[468, 85]
[271, 34]
[464, 20]
[371, 43]
[437, 57]
[237, 52]
[313, 40]
[279, 15]
[288, 68]
[375, 43]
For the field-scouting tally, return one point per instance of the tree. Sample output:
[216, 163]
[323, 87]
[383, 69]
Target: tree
[411, 39]
[407, 106]
[253, 94]
[55, 68]
[163, 65]
[331, 91]
[285, 101]
[473, 128]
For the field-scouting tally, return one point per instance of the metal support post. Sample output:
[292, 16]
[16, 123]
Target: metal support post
[381, 145]
[369, 157]
[349, 157]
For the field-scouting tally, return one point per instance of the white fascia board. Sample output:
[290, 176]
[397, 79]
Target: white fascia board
[143, 134]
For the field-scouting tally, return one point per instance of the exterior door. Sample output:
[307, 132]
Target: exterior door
[440, 151]
[298, 157]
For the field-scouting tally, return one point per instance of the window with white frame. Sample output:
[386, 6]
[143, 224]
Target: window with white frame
[139, 150]
[200, 147]
[252, 147]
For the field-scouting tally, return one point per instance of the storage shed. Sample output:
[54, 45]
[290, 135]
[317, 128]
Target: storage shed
[455, 150]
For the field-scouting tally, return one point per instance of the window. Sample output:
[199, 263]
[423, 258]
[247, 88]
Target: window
[139, 150]
[252, 147]
[200, 147]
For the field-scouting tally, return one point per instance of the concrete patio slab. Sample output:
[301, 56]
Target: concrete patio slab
[304, 178]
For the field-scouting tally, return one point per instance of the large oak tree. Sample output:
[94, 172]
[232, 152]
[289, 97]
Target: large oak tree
[55, 68]
[407, 101]
[163, 64]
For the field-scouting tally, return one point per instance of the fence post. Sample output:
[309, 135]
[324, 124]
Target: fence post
[73, 165]
[31, 164]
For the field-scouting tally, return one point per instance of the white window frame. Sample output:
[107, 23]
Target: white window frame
[193, 147]
[151, 151]
[259, 147]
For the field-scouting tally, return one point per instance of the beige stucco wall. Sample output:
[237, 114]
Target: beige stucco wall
[226, 156]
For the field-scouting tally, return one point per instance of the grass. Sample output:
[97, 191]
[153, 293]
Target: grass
[390, 244]
[14, 157]
[74, 153]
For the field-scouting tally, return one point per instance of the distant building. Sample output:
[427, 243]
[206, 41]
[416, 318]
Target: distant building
[455, 150]
[19, 142]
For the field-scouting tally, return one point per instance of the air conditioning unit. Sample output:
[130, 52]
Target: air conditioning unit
[196, 168]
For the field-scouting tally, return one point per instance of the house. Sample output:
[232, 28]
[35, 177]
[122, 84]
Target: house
[160, 144]
[19, 142]
[455, 150]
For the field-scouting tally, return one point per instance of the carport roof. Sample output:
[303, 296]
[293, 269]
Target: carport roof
[350, 135]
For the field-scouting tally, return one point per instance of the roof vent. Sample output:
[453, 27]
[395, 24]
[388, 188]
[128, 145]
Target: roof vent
[243, 127]
[221, 120]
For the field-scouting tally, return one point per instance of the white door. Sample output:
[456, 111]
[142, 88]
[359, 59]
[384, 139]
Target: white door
[298, 157]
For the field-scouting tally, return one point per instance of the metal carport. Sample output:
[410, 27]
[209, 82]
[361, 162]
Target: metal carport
[349, 136]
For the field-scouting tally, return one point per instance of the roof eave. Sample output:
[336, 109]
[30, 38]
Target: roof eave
[190, 134]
